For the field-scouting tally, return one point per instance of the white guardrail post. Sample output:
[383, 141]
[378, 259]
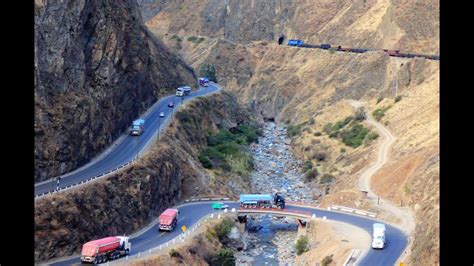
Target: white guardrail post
[349, 258]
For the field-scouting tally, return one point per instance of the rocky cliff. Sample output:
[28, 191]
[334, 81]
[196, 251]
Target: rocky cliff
[96, 69]
[126, 201]
[391, 24]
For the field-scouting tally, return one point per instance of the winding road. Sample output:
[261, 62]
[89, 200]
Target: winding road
[126, 148]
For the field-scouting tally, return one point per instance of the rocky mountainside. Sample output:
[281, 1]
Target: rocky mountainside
[309, 88]
[96, 69]
[126, 201]
[392, 24]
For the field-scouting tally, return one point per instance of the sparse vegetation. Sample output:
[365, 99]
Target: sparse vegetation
[225, 257]
[372, 135]
[308, 165]
[320, 156]
[360, 114]
[317, 134]
[192, 39]
[294, 130]
[327, 128]
[311, 121]
[327, 260]
[380, 112]
[223, 228]
[227, 150]
[302, 245]
[209, 71]
[311, 174]
[326, 178]
[343, 150]
[379, 99]
[398, 98]
[174, 253]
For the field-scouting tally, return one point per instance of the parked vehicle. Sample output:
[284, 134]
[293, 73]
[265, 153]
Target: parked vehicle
[219, 206]
[109, 248]
[137, 128]
[295, 42]
[262, 200]
[169, 219]
[378, 236]
[204, 82]
[183, 91]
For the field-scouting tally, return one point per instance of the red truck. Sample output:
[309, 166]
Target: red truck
[169, 219]
[101, 250]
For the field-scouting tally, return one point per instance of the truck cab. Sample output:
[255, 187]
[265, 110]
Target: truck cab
[378, 236]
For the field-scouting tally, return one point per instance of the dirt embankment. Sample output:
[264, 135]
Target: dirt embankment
[126, 201]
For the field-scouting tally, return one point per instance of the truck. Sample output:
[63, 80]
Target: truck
[183, 91]
[378, 236]
[137, 128]
[204, 82]
[108, 248]
[168, 219]
[295, 43]
[262, 201]
[219, 206]
[325, 46]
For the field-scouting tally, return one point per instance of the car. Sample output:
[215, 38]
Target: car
[219, 206]
[171, 104]
[162, 114]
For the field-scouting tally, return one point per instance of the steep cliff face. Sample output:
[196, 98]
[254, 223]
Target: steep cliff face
[96, 69]
[391, 24]
[126, 201]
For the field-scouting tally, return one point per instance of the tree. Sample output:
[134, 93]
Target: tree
[208, 70]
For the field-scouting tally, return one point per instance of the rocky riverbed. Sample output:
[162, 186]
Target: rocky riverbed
[270, 240]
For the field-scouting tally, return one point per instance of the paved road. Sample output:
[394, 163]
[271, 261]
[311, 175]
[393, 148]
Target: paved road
[126, 148]
[191, 213]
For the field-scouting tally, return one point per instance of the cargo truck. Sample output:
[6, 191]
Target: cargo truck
[378, 236]
[109, 248]
[168, 219]
[262, 200]
[204, 82]
[137, 128]
[183, 91]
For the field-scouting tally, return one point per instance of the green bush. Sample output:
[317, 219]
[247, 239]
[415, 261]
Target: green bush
[379, 99]
[199, 40]
[302, 245]
[308, 165]
[398, 98]
[343, 150]
[311, 174]
[326, 178]
[342, 123]
[372, 135]
[209, 71]
[311, 121]
[192, 39]
[354, 136]
[205, 161]
[327, 128]
[174, 253]
[294, 130]
[327, 260]
[320, 156]
[380, 112]
[225, 257]
[317, 134]
[223, 228]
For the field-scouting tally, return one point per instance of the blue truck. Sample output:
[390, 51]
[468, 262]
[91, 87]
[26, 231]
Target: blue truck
[295, 43]
[262, 200]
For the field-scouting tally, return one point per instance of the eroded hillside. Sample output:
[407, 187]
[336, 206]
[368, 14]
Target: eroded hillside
[96, 69]
[392, 24]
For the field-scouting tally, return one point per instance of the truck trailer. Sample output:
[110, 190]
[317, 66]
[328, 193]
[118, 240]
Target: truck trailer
[378, 236]
[262, 201]
[183, 91]
[295, 43]
[109, 248]
[168, 219]
[137, 128]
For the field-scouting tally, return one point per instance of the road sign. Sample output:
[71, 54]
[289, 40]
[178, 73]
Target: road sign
[183, 228]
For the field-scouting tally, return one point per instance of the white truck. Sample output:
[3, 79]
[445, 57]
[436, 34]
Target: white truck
[183, 91]
[378, 236]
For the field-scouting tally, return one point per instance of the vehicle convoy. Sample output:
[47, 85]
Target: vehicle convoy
[262, 201]
[295, 42]
[204, 82]
[109, 248]
[169, 219]
[183, 91]
[378, 236]
[137, 128]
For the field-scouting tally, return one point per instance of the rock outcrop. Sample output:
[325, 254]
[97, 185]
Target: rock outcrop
[96, 69]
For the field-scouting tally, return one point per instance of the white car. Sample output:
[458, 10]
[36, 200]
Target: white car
[162, 114]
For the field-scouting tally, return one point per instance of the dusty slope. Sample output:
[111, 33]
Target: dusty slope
[96, 69]
[392, 24]
[124, 202]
